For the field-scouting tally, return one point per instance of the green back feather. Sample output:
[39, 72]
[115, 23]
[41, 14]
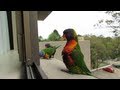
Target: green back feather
[79, 60]
[51, 50]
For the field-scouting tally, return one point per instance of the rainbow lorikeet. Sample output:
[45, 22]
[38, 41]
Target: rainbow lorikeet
[72, 55]
[48, 52]
[48, 45]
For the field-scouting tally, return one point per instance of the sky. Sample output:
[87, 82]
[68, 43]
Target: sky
[81, 21]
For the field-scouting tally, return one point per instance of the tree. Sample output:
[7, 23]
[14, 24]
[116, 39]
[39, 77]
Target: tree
[54, 36]
[40, 38]
[113, 23]
[102, 49]
[116, 47]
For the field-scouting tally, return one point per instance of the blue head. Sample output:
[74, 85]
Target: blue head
[70, 34]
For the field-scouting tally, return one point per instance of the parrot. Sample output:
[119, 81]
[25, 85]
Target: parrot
[48, 52]
[47, 45]
[72, 56]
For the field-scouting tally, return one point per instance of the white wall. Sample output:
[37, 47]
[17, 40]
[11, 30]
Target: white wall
[4, 34]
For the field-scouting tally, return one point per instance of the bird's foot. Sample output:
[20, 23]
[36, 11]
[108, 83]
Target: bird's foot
[65, 70]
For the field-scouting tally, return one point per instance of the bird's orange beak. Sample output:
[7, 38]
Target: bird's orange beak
[63, 37]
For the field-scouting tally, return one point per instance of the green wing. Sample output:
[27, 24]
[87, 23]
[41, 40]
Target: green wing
[49, 50]
[78, 57]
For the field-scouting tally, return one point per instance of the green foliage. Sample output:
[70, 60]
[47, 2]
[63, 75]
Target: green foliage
[110, 46]
[40, 38]
[54, 36]
[103, 48]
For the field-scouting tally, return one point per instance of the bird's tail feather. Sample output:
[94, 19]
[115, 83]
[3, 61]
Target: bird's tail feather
[57, 46]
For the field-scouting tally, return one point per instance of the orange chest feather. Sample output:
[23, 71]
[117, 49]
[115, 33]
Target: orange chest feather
[70, 46]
